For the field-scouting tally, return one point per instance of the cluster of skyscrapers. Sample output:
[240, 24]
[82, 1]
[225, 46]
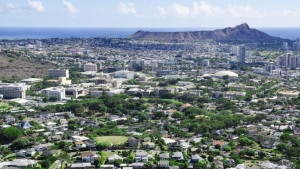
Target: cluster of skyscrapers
[289, 61]
[295, 46]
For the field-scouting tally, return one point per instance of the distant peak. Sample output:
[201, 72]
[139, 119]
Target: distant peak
[243, 25]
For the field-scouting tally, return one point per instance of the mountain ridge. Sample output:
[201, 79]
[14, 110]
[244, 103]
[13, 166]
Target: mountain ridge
[240, 32]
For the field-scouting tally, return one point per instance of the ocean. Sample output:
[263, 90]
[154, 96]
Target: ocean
[41, 33]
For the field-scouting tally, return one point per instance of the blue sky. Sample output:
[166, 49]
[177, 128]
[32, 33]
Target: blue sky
[149, 13]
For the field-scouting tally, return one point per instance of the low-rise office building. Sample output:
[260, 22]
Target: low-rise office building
[12, 91]
[58, 92]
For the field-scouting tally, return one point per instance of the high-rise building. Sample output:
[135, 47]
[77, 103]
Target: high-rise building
[205, 62]
[281, 61]
[285, 46]
[90, 67]
[58, 73]
[247, 54]
[293, 62]
[298, 43]
[270, 66]
[99, 65]
[38, 44]
[234, 50]
[295, 46]
[241, 55]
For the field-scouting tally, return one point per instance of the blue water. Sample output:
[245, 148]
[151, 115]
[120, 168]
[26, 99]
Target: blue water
[40, 33]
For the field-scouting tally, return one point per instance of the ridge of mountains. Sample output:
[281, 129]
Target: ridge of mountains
[238, 33]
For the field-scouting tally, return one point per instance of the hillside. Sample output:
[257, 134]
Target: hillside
[20, 67]
[238, 33]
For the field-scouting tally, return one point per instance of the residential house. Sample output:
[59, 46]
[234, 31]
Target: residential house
[141, 156]
[24, 153]
[148, 145]
[25, 125]
[230, 161]
[81, 165]
[177, 156]
[45, 115]
[133, 142]
[269, 143]
[193, 160]
[50, 153]
[90, 143]
[89, 157]
[19, 163]
[43, 147]
[138, 165]
[164, 156]
[55, 138]
[114, 157]
[9, 119]
[286, 163]
[241, 166]
[164, 163]
[218, 133]
[268, 165]
[80, 144]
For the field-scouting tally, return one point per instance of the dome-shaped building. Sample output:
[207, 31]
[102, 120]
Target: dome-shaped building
[220, 74]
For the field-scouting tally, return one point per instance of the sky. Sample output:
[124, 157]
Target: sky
[149, 13]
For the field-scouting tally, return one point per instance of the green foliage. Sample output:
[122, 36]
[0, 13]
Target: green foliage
[9, 134]
[20, 143]
[245, 141]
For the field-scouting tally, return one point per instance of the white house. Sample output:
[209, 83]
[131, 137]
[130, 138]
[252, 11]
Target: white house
[89, 157]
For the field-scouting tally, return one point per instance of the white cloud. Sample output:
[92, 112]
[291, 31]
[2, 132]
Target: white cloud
[69, 6]
[179, 10]
[243, 11]
[205, 9]
[36, 5]
[161, 10]
[285, 13]
[128, 8]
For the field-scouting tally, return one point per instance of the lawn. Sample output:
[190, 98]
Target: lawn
[3, 105]
[112, 139]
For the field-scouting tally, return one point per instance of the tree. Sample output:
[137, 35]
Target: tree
[227, 148]
[177, 115]
[9, 134]
[245, 141]
[262, 154]
[149, 165]
[218, 146]
[53, 99]
[64, 157]
[118, 162]
[102, 146]
[20, 143]
[210, 158]
[242, 153]
[103, 157]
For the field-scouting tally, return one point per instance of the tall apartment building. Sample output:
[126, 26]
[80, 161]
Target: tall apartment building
[58, 92]
[281, 61]
[38, 44]
[295, 46]
[298, 43]
[235, 50]
[90, 67]
[285, 46]
[12, 91]
[58, 73]
[242, 54]
[99, 65]
[289, 61]
[270, 66]
[205, 62]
